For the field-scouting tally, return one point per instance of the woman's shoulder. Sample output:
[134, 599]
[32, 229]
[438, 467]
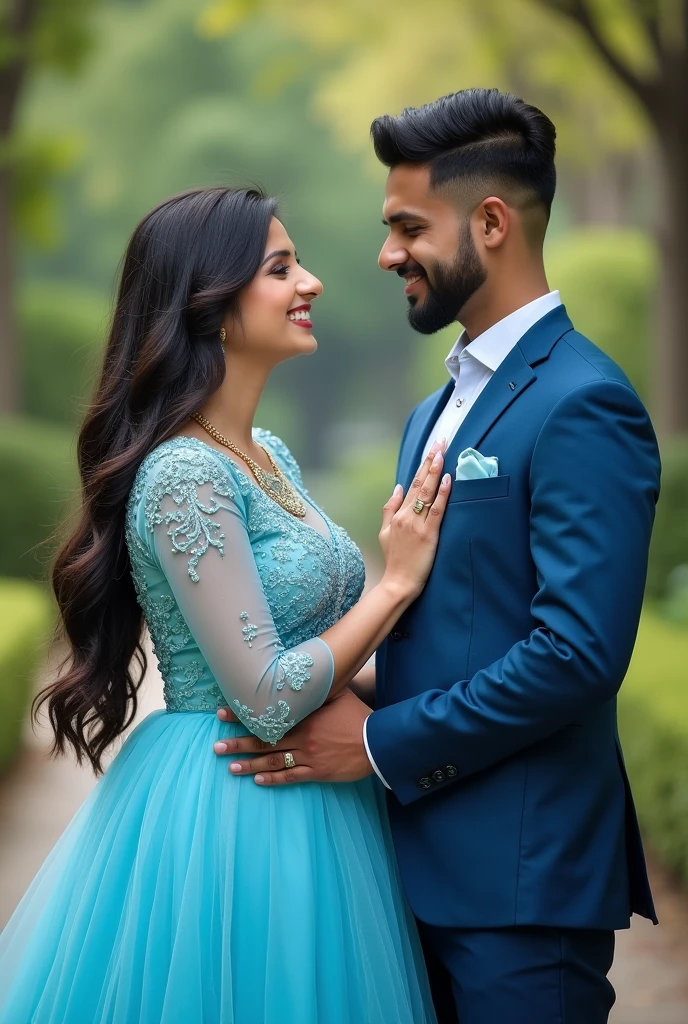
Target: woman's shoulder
[176, 465]
[281, 453]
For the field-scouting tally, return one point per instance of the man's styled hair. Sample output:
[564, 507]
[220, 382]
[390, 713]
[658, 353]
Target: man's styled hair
[475, 141]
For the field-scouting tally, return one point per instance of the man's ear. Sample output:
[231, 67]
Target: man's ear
[494, 221]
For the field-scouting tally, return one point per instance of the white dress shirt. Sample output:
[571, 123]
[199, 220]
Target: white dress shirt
[471, 364]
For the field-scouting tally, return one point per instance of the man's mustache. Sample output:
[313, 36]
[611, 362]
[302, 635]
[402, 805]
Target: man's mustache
[411, 270]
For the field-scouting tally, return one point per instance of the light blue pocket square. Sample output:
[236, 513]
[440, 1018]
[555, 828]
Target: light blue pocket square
[471, 465]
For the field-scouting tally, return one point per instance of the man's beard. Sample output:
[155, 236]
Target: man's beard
[454, 284]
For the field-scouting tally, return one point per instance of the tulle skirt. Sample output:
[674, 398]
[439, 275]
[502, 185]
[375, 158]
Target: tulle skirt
[181, 895]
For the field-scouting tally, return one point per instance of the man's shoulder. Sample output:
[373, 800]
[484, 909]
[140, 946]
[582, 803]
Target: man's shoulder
[575, 362]
[586, 361]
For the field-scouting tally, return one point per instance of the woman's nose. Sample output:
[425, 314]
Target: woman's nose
[310, 285]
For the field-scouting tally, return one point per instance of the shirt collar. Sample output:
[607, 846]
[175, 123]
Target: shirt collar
[493, 346]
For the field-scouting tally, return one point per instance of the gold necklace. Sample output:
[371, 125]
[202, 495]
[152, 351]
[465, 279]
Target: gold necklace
[274, 484]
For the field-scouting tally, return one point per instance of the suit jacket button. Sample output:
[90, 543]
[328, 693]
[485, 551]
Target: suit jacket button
[451, 771]
[438, 776]
[395, 634]
[425, 782]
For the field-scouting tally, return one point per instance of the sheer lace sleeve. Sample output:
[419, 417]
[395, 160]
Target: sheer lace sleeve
[200, 540]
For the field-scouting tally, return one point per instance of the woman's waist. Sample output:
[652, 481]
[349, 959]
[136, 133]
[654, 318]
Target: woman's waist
[190, 687]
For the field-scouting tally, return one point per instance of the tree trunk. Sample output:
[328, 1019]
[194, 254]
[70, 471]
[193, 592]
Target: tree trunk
[663, 97]
[671, 379]
[9, 369]
[18, 22]
[604, 195]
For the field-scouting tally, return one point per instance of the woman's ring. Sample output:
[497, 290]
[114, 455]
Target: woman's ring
[420, 505]
[289, 761]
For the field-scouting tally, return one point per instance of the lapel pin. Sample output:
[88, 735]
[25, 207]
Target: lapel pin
[512, 385]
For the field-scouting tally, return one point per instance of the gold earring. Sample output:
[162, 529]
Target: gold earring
[223, 335]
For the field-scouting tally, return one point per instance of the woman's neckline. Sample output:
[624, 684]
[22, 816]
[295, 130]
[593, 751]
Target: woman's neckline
[330, 539]
[241, 466]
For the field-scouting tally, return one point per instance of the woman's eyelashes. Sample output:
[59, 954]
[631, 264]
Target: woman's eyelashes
[283, 268]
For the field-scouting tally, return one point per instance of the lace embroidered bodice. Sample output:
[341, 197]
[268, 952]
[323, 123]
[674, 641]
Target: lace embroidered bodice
[234, 590]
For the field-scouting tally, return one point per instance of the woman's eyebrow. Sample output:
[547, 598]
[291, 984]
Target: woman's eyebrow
[277, 252]
[286, 253]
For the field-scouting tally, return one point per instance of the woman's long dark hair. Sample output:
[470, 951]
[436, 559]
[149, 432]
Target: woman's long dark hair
[183, 271]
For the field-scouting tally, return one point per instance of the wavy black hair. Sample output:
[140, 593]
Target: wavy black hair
[477, 136]
[182, 274]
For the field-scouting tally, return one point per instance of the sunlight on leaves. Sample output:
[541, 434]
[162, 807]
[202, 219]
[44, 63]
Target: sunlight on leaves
[224, 17]
[383, 57]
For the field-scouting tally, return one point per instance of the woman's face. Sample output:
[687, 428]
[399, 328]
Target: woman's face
[275, 308]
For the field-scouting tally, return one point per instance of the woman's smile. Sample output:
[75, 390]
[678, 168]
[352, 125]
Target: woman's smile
[300, 315]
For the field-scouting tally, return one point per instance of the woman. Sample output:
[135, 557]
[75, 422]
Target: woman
[179, 894]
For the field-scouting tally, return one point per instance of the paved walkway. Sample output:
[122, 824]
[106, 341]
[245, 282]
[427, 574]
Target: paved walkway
[650, 971]
[39, 796]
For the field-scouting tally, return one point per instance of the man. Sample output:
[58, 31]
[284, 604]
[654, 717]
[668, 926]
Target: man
[495, 721]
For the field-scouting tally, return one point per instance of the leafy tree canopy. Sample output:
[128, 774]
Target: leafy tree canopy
[387, 55]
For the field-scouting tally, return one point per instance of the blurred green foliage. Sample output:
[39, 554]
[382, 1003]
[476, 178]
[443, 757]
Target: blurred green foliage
[25, 620]
[357, 484]
[669, 548]
[62, 325]
[45, 34]
[382, 57]
[159, 109]
[653, 719]
[39, 478]
[607, 278]
[675, 603]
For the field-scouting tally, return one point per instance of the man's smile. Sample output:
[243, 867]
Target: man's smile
[412, 278]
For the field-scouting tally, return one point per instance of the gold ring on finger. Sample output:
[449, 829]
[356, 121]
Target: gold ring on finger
[289, 761]
[420, 505]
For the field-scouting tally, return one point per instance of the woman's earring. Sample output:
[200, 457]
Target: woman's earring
[223, 335]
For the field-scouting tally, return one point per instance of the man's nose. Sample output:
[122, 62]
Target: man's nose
[392, 255]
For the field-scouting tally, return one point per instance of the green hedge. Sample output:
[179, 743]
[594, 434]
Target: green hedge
[62, 326]
[25, 620]
[670, 536]
[653, 719]
[39, 477]
[607, 279]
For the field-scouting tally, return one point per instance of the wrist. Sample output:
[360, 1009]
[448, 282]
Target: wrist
[398, 592]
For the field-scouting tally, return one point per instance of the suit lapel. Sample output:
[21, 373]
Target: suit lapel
[511, 379]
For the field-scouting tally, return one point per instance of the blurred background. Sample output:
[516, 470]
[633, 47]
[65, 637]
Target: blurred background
[107, 106]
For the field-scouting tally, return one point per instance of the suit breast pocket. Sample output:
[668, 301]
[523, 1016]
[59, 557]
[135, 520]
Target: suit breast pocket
[480, 489]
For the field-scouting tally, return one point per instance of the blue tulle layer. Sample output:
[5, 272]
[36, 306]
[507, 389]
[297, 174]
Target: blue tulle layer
[181, 895]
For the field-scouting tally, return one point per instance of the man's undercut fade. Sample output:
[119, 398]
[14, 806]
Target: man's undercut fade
[476, 143]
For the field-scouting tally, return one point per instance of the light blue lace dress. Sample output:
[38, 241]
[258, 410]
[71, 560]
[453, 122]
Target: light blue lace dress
[180, 894]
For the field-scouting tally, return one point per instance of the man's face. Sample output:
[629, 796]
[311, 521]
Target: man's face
[430, 248]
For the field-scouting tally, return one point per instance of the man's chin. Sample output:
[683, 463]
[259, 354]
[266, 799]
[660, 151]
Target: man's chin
[424, 324]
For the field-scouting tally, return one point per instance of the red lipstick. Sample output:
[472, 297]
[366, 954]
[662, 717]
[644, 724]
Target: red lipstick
[305, 308]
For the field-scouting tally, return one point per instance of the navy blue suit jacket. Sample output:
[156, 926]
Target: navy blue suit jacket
[495, 722]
